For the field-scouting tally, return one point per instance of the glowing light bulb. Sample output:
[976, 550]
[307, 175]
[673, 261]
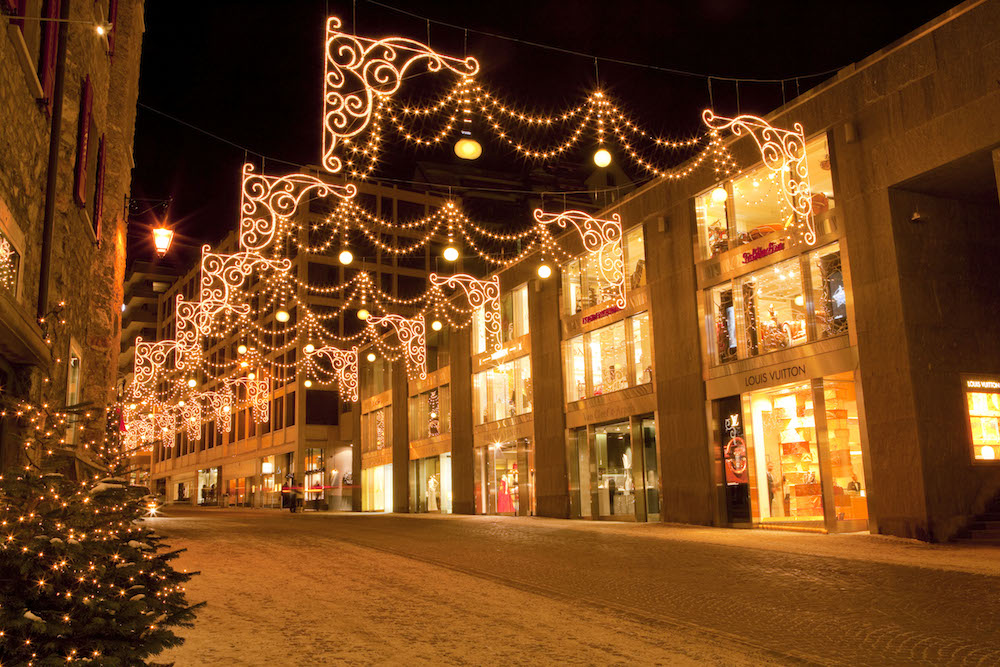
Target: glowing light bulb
[282, 315]
[468, 148]
[719, 195]
[227, 409]
[371, 356]
[988, 453]
[363, 314]
[100, 30]
[346, 256]
[182, 403]
[451, 253]
[192, 383]
[308, 383]
[242, 349]
[544, 271]
[436, 325]
[602, 158]
[243, 364]
[799, 300]
[310, 348]
[251, 376]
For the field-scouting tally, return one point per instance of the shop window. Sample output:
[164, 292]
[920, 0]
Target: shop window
[759, 205]
[635, 258]
[576, 374]
[572, 287]
[713, 222]
[724, 310]
[73, 384]
[785, 456]
[503, 391]
[774, 308]
[846, 458]
[608, 359]
[641, 349]
[829, 292]
[820, 175]
[479, 330]
[10, 264]
[982, 400]
[514, 314]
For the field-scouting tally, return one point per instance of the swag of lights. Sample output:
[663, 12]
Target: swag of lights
[361, 77]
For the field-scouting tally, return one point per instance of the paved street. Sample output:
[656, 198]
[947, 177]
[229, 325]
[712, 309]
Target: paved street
[328, 588]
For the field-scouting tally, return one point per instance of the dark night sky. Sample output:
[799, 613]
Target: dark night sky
[251, 73]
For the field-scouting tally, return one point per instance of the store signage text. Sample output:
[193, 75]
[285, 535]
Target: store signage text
[610, 310]
[982, 384]
[785, 373]
[763, 251]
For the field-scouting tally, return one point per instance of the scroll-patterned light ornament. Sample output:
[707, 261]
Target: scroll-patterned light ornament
[601, 237]
[267, 203]
[191, 418]
[412, 336]
[343, 365]
[140, 432]
[784, 153]
[165, 427]
[483, 294]
[222, 275]
[150, 359]
[220, 404]
[258, 392]
[360, 71]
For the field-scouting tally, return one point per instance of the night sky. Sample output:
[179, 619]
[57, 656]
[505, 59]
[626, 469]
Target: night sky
[250, 72]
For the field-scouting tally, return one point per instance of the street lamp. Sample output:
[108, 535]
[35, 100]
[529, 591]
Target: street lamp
[161, 239]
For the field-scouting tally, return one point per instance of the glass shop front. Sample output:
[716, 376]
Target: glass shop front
[614, 470]
[430, 484]
[505, 478]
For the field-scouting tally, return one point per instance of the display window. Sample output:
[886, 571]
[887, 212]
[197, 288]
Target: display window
[847, 471]
[641, 349]
[982, 403]
[724, 309]
[208, 483]
[713, 221]
[376, 489]
[514, 313]
[635, 258]
[615, 481]
[430, 484]
[572, 287]
[576, 371]
[505, 478]
[502, 391]
[376, 429]
[828, 291]
[430, 413]
[315, 479]
[608, 359]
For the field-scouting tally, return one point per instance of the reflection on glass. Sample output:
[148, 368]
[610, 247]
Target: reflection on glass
[641, 349]
[576, 374]
[759, 205]
[725, 323]
[608, 358]
[572, 287]
[616, 487]
[635, 258]
[829, 295]
[846, 460]
[713, 225]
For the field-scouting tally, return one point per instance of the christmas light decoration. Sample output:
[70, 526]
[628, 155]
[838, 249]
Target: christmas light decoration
[8, 271]
[602, 158]
[600, 237]
[483, 294]
[374, 68]
[784, 153]
[411, 334]
[343, 367]
[371, 356]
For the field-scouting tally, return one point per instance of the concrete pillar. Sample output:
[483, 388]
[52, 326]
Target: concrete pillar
[462, 452]
[400, 439]
[355, 418]
[551, 474]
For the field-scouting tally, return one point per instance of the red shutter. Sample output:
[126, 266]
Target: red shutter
[82, 137]
[99, 190]
[113, 20]
[50, 43]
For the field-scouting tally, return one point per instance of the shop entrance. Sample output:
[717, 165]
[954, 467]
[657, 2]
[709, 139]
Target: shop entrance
[615, 467]
[430, 484]
[505, 478]
[792, 454]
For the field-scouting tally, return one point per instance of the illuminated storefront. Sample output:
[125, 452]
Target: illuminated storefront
[608, 375]
[429, 424]
[376, 437]
[788, 441]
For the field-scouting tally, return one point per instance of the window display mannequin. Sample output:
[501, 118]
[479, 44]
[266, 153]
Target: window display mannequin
[432, 492]
[503, 496]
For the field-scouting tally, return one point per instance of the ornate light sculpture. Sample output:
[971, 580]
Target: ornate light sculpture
[784, 153]
[412, 336]
[600, 237]
[371, 69]
[343, 365]
[483, 294]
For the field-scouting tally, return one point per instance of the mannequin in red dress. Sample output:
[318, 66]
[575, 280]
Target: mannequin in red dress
[503, 496]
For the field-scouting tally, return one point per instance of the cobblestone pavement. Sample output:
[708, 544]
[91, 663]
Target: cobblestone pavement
[588, 592]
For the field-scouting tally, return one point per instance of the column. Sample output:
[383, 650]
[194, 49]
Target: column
[462, 452]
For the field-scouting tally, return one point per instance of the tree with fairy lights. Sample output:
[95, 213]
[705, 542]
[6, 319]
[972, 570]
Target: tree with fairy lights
[81, 578]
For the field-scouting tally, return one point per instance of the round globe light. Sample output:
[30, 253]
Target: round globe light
[308, 383]
[436, 325]
[544, 271]
[468, 149]
[602, 158]
[719, 195]
[371, 356]
[363, 314]
[251, 376]
[451, 253]
[242, 349]
[192, 383]
[346, 256]
[282, 315]
[310, 348]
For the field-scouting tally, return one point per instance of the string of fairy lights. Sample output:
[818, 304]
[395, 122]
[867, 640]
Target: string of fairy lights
[257, 321]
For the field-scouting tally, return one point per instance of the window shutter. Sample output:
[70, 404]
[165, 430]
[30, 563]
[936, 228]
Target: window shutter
[113, 20]
[82, 137]
[99, 190]
[50, 43]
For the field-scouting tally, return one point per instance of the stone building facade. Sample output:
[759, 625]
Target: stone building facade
[68, 92]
